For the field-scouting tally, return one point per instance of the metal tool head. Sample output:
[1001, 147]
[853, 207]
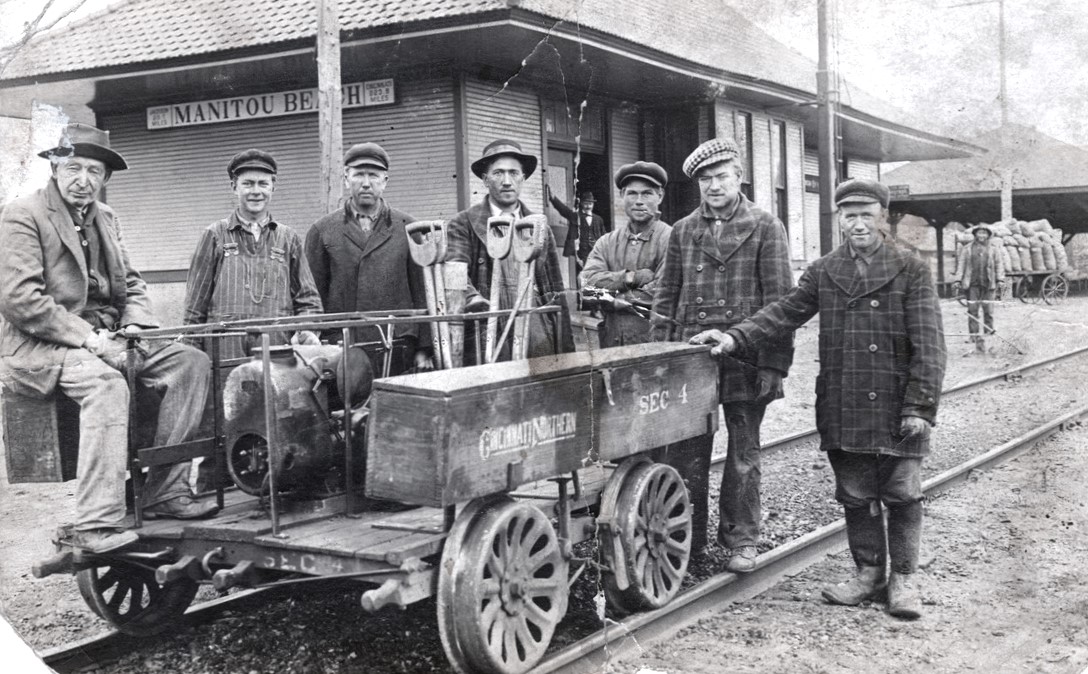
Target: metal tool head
[530, 233]
[427, 241]
[500, 234]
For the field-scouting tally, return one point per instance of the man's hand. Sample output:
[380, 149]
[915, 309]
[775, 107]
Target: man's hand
[95, 343]
[642, 277]
[911, 426]
[770, 384]
[424, 362]
[306, 338]
[723, 343]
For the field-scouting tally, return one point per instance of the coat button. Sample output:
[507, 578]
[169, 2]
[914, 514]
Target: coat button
[702, 315]
[721, 267]
[852, 303]
[721, 303]
[698, 300]
[480, 261]
[872, 347]
[874, 304]
[729, 314]
[698, 267]
[872, 396]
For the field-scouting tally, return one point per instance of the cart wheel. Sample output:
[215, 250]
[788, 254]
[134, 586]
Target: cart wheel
[510, 588]
[448, 569]
[654, 525]
[1020, 290]
[1054, 289]
[128, 597]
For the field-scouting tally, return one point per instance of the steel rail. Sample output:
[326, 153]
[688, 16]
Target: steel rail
[810, 434]
[622, 638]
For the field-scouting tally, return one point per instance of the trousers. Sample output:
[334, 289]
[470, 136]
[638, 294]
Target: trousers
[179, 374]
[977, 298]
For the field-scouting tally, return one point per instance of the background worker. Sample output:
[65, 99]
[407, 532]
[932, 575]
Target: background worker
[248, 265]
[586, 227]
[66, 289]
[628, 261]
[360, 261]
[981, 274]
[725, 261]
[882, 359]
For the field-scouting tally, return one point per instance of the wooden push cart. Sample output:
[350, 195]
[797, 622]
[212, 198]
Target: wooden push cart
[479, 482]
[1050, 286]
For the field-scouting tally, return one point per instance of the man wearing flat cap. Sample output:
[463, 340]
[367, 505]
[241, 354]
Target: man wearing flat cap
[725, 261]
[248, 265]
[504, 168]
[67, 289]
[882, 358]
[628, 261]
[360, 260]
[586, 227]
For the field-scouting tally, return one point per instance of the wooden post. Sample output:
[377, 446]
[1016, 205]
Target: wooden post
[328, 102]
[827, 96]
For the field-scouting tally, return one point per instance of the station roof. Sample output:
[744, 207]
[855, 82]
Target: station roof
[139, 36]
[1049, 179]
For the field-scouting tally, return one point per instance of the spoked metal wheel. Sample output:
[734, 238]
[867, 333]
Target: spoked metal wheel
[1021, 289]
[128, 597]
[448, 571]
[1054, 289]
[511, 588]
[653, 524]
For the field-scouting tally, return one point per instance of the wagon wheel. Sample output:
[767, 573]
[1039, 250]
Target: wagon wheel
[1054, 289]
[1021, 289]
[447, 574]
[128, 597]
[653, 521]
[511, 588]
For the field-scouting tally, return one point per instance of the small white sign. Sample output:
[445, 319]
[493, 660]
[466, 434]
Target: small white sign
[278, 104]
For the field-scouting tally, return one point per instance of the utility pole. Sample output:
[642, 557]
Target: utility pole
[330, 126]
[827, 99]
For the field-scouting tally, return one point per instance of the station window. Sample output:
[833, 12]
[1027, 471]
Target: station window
[780, 205]
[743, 136]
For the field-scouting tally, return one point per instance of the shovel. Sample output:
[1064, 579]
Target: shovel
[527, 245]
[427, 245]
[500, 234]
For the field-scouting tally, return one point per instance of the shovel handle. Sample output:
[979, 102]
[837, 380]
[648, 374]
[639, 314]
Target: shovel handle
[500, 234]
[427, 242]
[529, 247]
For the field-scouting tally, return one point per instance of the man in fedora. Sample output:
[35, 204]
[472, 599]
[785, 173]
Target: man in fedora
[504, 168]
[248, 265]
[628, 261]
[882, 360]
[359, 256]
[725, 260]
[67, 289]
[586, 227]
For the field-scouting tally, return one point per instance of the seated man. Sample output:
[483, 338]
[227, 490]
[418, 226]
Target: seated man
[628, 260]
[66, 289]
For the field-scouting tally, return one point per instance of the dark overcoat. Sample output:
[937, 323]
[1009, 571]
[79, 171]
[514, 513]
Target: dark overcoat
[43, 287]
[467, 237]
[716, 282]
[375, 275]
[882, 352]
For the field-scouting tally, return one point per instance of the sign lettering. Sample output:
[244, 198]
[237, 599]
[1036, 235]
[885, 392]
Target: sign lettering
[544, 430]
[195, 113]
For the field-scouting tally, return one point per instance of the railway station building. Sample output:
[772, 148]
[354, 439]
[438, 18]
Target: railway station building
[587, 86]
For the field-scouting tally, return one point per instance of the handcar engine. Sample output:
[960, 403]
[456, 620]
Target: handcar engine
[307, 387]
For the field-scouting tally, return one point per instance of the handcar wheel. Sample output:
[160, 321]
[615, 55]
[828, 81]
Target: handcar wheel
[653, 521]
[511, 589]
[448, 570]
[128, 597]
[1054, 289]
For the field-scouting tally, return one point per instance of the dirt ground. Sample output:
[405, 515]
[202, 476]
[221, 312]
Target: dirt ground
[1008, 577]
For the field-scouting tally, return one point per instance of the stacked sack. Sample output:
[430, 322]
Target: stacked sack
[1026, 246]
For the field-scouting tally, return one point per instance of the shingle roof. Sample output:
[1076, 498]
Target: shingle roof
[1037, 160]
[706, 32]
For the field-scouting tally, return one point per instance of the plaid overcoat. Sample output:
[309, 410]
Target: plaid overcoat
[710, 282]
[882, 352]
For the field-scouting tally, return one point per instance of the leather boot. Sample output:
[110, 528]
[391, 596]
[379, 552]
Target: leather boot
[904, 600]
[905, 536]
[867, 584]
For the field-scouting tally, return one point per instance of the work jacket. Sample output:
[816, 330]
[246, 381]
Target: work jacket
[995, 266]
[882, 351]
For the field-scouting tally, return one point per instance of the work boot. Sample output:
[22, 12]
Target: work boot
[742, 559]
[903, 598]
[101, 541]
[182, 508]
[867, 584]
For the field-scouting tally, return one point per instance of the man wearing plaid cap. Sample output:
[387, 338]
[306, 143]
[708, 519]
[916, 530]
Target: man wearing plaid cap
[725, 261]
[882, 358]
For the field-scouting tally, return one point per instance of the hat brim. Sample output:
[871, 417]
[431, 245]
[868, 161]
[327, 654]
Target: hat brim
[92, 150]
[366, 161]
[639, 176]
[253, 166]
[859, 199]
[528, 162]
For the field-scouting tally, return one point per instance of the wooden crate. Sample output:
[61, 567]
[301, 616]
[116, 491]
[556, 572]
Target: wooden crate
[440, 438]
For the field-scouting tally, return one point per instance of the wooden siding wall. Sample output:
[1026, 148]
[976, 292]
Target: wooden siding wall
[178, 182]
[812, 209]
[493, 111]
[625, 150]
[859, 168]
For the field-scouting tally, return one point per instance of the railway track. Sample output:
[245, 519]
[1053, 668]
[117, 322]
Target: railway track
[95, 651]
